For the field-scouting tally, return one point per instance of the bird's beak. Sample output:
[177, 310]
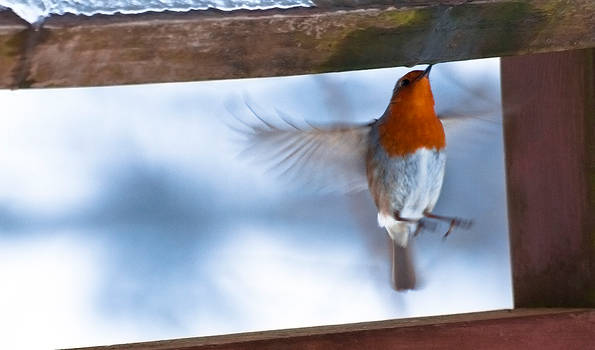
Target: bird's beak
[427, 71]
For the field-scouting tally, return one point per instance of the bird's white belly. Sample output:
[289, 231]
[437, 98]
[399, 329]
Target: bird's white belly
[419, 188]
[412, 184]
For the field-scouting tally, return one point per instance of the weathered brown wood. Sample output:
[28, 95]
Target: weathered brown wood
[12, 35]
[549, 131]
[516, 329]
[127, 49]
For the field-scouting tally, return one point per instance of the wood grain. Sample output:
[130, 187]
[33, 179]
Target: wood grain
[199, 45]
[13, 34]
[505, 329]
[549, 132]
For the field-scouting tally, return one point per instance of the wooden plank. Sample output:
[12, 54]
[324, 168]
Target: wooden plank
[127, 49]
[549, 132]
[13, 34]
[505, 329]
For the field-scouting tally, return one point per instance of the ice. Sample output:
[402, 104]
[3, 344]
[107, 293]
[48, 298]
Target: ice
[35, 11]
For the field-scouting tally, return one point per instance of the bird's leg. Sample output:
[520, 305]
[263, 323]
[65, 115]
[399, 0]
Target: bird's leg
[454, 221]
[421, 224]
[397, 216]
[424, 225]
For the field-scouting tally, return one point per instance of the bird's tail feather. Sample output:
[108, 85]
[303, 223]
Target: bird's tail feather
[403, 272]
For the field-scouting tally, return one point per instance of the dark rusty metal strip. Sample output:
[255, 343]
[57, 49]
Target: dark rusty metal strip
[199, 45]
[516, 329]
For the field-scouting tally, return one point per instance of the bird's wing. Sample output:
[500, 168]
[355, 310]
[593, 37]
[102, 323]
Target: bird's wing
[470, 111]
[461, 103]
[328, 159]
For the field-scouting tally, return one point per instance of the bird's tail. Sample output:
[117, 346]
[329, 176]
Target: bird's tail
[403, 272]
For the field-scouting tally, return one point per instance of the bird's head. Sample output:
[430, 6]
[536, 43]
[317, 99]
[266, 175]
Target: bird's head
[413, 89]
[410, 121]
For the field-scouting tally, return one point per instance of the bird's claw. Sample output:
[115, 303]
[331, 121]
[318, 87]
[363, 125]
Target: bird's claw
[458, 222]
[425, 225]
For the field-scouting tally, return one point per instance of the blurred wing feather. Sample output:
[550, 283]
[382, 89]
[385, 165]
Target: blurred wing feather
[332, 159]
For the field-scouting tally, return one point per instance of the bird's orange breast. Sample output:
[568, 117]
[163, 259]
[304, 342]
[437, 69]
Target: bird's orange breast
[410, 123]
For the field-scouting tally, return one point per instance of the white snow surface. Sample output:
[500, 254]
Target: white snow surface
[35, 11]
[133, 213]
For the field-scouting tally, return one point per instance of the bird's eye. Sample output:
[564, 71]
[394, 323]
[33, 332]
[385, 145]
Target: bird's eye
[404, 82]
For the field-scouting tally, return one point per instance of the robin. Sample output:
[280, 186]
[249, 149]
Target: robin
[400, 157]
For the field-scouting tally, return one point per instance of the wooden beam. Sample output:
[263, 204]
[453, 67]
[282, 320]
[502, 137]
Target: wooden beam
[549, 132]
[516, 329]
[12, 32]
[126, 49]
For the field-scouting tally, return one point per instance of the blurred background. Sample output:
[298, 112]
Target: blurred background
[127, 214]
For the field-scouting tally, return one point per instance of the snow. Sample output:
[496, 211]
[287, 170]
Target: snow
[126, 214]
[35, 11]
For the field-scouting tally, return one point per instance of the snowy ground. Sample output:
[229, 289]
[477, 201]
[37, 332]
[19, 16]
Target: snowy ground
[126, 215]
